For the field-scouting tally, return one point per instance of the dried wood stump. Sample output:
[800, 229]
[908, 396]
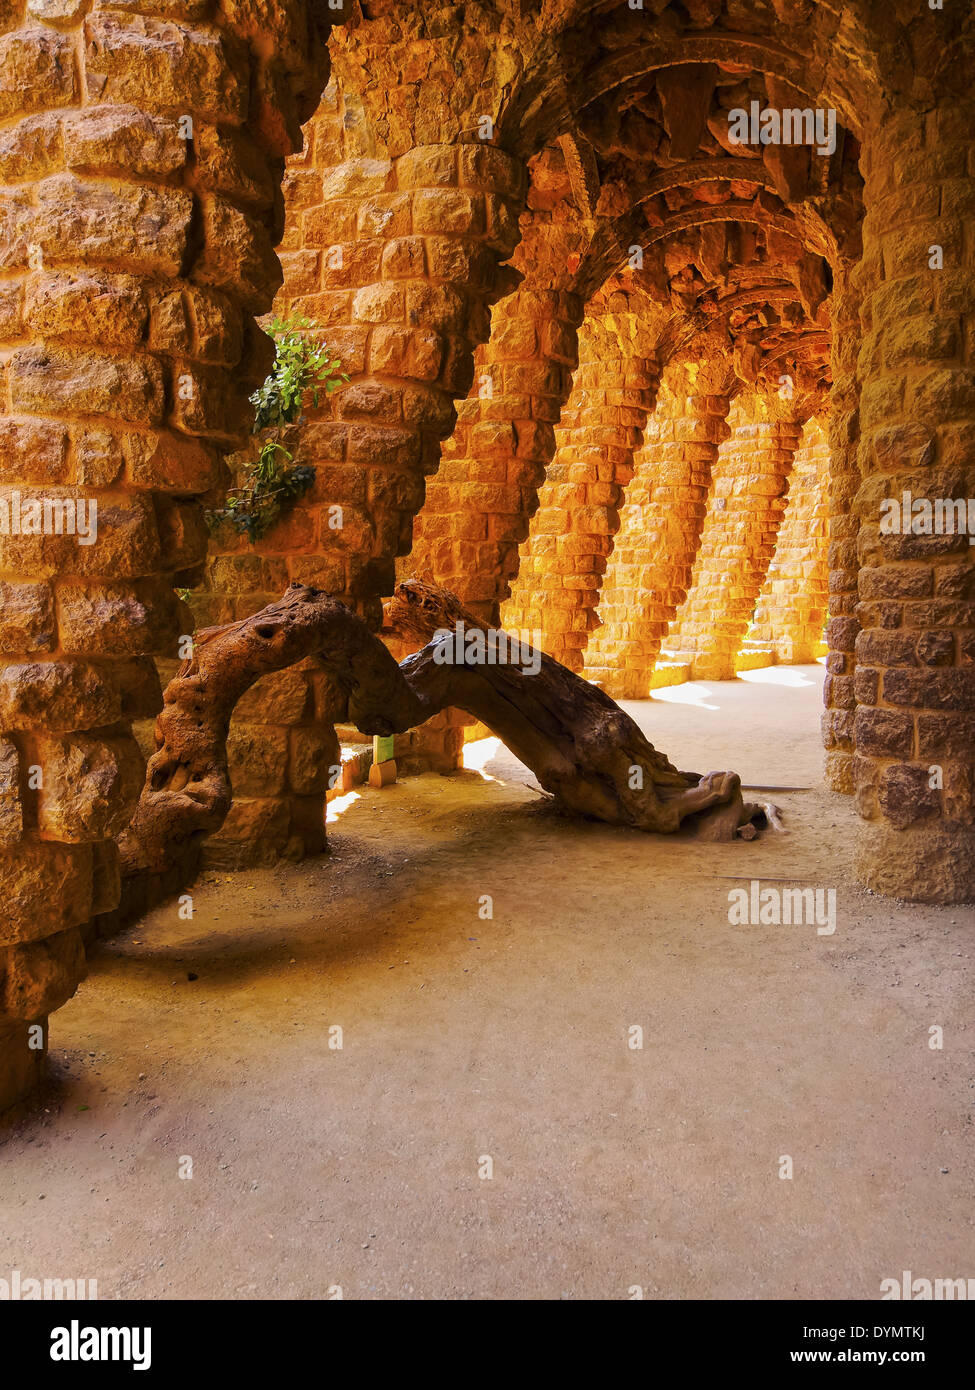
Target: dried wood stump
[584, 750]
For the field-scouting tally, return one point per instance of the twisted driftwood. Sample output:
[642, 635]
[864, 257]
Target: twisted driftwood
[584, 750]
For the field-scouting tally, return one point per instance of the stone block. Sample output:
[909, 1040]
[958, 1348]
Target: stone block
[257, 755]
[37, 977]
[89, 787]
[134, 58]
[57, 695]
[37, 71]
[104, 222]
[26, 619]
[46, 888]
[11, 810]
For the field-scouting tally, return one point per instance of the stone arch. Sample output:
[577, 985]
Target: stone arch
[141, 208]
[599, 51]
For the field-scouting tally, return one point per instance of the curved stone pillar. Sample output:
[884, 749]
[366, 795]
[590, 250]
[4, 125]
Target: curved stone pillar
[478, 508]
[660, 530]
[140, 159]
[915, 672]
[397, 261]
[746, 505]
[571, 534]
[791, 608]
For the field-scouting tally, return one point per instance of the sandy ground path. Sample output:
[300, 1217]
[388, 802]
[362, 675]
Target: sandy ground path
[465, 1038]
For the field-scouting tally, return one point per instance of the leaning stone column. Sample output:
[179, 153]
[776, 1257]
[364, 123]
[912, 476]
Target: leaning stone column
[660, 530]
[839, 689]
[746, 507]
[139, 163]
[915, 676]
[478, 507]
[571, 535]
[791, 607]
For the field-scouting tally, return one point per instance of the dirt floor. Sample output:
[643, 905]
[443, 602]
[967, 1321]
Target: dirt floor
[315, 1167]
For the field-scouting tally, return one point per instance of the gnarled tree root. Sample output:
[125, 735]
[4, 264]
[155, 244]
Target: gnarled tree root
[584, 750]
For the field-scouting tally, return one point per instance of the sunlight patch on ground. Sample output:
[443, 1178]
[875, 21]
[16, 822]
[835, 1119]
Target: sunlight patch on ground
[776, 675]
[479, 753]
[690, 693]
[341, 804]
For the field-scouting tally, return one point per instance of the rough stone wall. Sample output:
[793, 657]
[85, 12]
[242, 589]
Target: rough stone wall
[746, 505]
[915, 674]
[842, 628]
[791, 608]
[571, 534]
[140, 155]
[660, 528]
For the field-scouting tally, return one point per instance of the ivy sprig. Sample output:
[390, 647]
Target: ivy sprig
[303, 369]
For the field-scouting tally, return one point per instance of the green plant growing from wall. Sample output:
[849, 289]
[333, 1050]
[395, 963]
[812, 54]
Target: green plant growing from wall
[274, 481]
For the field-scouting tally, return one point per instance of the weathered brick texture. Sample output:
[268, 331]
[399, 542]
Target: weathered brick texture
[791, 610]
[662, 518]
[745, 508]
[139, 159]
[844, 480]
[915, 653]
[571, 534]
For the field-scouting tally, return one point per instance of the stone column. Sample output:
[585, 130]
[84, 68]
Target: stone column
[746, 506]
[915, 675]
[839, 689]
[660, 529]
[791, 608]
[478, 507]
[140, 158]
[397, 260]
[571, 534]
